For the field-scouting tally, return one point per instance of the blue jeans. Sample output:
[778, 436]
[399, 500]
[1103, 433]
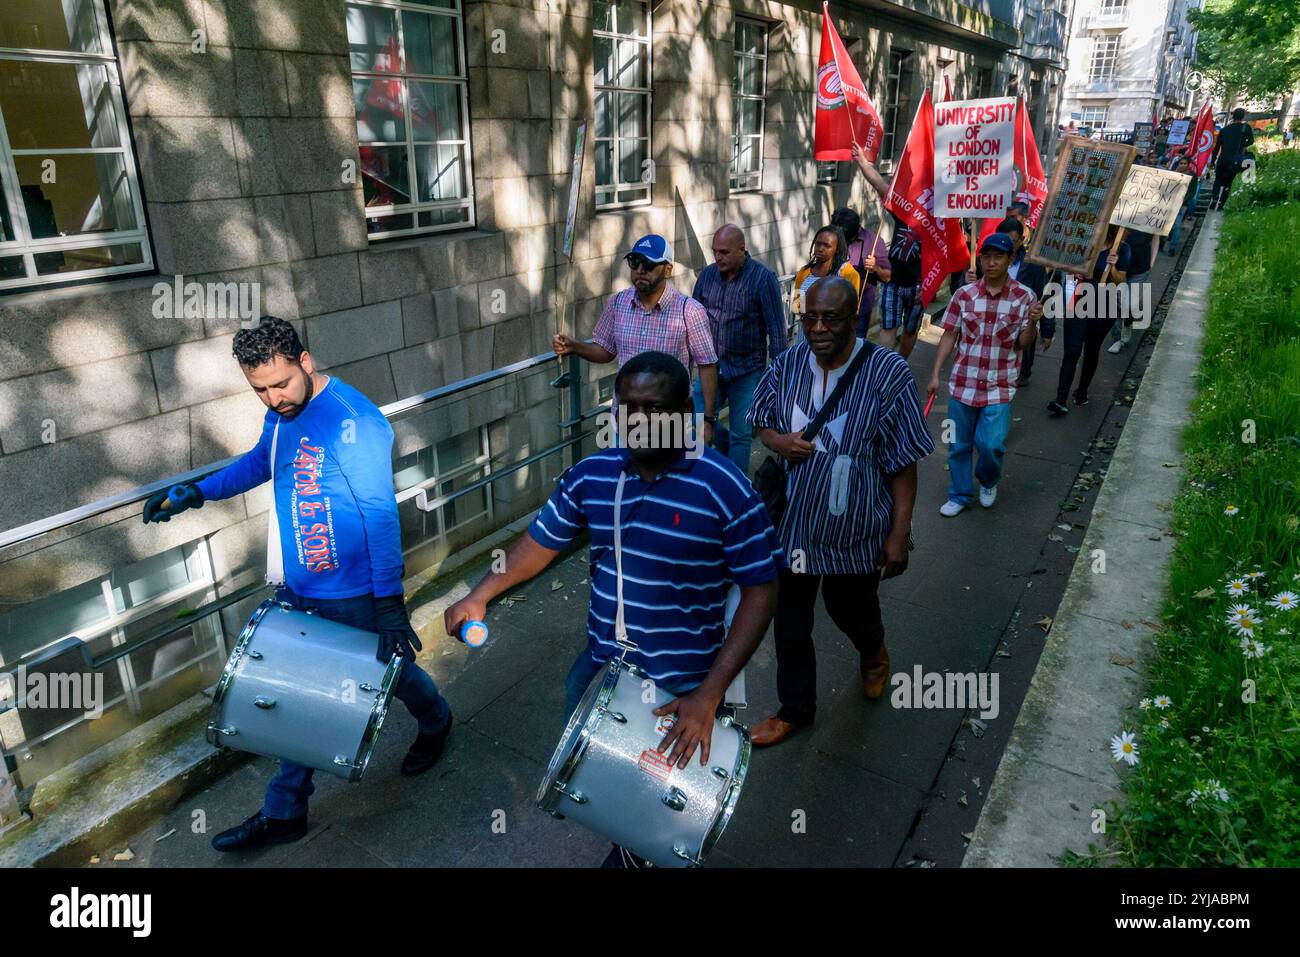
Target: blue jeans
[984, 429]
[738, 395]
[585, 669]
[1134, 280]
[1176, 230]
[288, 791]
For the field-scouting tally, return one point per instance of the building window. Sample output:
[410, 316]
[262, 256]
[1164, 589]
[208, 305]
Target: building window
[1105, 51]
[896, 84]
[983, 82]
[70, 203]
[444, 469]
[621, 40]
[1112, 6]
[411, 94]
[828, 171]
[748, 100]
[1093, 116]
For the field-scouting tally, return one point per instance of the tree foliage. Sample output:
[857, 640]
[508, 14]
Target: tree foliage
[1249, 48]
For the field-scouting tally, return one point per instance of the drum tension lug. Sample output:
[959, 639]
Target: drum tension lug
[675, 798]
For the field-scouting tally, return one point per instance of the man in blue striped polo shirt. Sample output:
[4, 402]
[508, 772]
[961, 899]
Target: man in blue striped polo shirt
[691, 526]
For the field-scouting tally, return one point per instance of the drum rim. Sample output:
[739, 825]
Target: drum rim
[732, 798]
[370, 737]
[548, 795]
[228, 672]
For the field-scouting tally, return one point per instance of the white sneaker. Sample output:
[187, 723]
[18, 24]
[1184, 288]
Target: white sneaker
[1117, 346]
[988, 496]
[950, 508]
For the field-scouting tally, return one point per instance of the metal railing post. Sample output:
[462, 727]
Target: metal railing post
[575, 406]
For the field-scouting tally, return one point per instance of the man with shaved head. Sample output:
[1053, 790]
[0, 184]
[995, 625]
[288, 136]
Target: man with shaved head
[849, 493]
[743, 299]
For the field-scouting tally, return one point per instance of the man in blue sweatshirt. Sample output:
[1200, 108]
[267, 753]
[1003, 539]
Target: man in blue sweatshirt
[339, 537]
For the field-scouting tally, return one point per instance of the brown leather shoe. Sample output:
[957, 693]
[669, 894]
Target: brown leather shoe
[772, 730]
[875, 673]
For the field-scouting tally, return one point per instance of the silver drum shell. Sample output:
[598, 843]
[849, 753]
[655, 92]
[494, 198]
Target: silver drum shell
[300, 687]
[598, 775]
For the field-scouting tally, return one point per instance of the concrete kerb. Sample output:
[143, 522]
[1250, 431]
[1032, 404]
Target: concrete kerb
[1057, 768]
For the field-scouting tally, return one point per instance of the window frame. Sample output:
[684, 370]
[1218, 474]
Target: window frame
[737, 97]
[612, 141]
[1084, 119]
[1103, 61]
[23, 244]
[465, 142]
[892, 103]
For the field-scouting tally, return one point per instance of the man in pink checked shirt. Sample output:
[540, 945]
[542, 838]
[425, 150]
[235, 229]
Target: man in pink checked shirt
[652, 315]
[988, 322]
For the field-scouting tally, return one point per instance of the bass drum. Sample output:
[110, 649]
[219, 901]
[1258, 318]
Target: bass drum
[303, 688]
[606, 774]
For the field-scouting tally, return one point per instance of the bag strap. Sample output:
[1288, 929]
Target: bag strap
[274, 555]
[846, 380]
[620, 623]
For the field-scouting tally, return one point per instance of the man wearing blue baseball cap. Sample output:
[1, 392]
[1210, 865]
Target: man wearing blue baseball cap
[988, 322]
[653, 316]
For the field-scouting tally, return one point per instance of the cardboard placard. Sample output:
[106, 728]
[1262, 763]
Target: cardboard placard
[1150, 199]
[1086, 182]
[1178, 132]
[974, 158]
[1143, 136]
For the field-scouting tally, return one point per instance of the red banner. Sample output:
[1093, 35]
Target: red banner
[845, 114]
[1032, 179]
[1202, 140]
[911, 199]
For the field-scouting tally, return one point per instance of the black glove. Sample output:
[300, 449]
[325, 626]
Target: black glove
[396, 636]
[178, 497]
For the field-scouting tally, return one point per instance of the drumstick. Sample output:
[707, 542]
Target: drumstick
[929, 405]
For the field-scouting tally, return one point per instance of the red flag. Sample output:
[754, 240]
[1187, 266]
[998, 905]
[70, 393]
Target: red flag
[1203, 138]
[947, 89]
[1032, 179]
[845, 114]
[911, 198]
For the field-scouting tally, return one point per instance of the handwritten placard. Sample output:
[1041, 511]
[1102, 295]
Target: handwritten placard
[1150, 199]
[1085, 184]
[1178, 132]
[1143, 136]
[974, 149]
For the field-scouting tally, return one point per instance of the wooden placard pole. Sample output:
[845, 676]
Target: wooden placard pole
[1114, 247]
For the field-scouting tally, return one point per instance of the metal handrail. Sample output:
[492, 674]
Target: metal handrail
[52, 523]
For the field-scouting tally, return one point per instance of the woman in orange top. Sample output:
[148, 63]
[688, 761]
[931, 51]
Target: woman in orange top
[829, 256]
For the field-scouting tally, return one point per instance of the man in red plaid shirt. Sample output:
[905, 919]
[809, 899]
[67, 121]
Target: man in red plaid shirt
[988, 322]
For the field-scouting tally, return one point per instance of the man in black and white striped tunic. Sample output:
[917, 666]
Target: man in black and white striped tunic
[850, 495]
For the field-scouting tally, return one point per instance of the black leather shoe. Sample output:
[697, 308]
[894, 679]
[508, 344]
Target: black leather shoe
[260, 831]
[425, 751]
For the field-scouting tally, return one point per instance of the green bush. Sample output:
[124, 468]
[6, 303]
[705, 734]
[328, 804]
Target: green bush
[1210, 741]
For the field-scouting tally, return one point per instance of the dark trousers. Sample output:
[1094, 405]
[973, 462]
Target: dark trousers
[853, 605]
[1224, 173]
[1082, 337]
[1027, 359]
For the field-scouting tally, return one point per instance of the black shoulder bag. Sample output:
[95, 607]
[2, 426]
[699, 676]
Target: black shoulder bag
[769, 480]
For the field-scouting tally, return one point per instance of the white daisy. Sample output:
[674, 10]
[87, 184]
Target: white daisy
[1238, 587]
[1144, 704]
[1164, 722]
[1285, 601]
[1123, 747]
[1217, 790]
[1252, 648]
[1238, 611]
[1194, 796]
[1163, 701]
[1255, 575]
[1231, 510]
[1244, 625]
